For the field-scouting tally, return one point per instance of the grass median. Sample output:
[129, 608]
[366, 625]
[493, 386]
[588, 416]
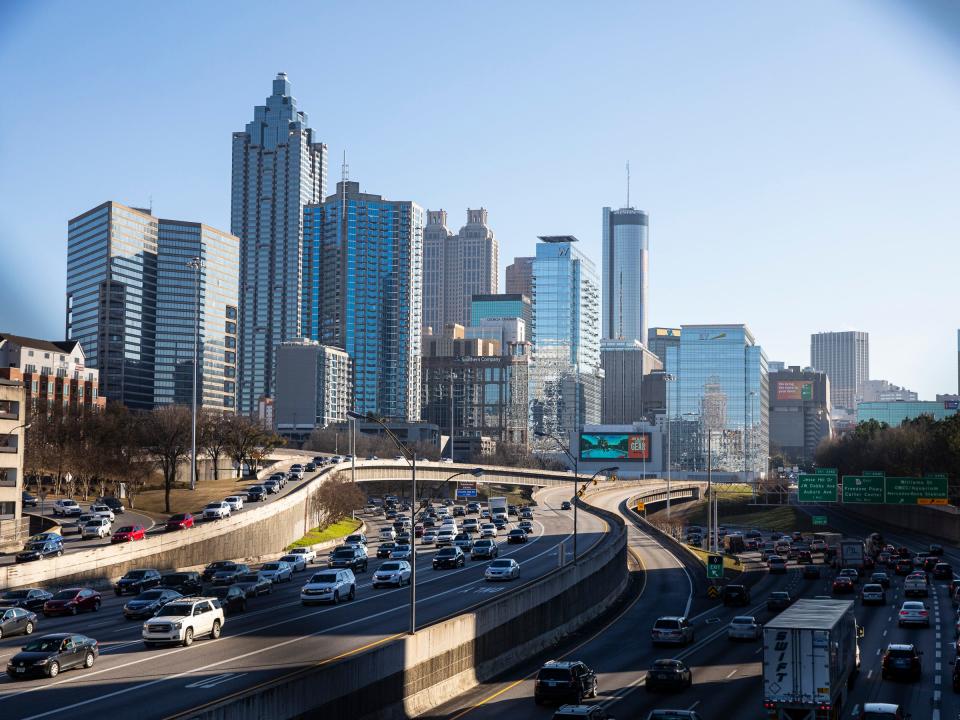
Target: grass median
[332, 532]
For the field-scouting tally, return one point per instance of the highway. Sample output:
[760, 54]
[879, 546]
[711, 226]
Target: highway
[275, 636]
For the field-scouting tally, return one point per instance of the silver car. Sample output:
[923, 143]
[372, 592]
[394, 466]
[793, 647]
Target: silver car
[395, 572]
[295, 561]
[743, 627]
[77, 525]
[96, 528]
[503, 569]
[913, 612]
[277, 571]
[400, 552]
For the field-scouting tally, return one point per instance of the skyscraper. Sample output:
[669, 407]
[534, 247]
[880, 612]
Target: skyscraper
[627, 365]
[436, 240]
[845, 358]
[661, 338]
[519, 278]
[565, 377]
[625, 274]
[364, 288]
[278, 168]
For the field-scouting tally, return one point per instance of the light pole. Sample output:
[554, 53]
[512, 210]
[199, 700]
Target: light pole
[353, 449]
[576, 478]
[476, 472]
[668, 378]
[196, 264]
[747, 465]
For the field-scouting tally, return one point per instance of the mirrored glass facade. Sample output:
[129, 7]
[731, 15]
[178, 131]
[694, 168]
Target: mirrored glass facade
[625, 279]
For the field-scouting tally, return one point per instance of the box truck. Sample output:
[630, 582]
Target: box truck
[811, 657]
[498, 506]
[851, 554]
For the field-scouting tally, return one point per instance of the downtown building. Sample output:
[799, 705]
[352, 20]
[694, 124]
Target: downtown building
[55, 374]
[661, 338]
[799, 413]
[134, 303]
[363, 274]
[625, 274]
[312, 390]
[627, 366]
[845, 358]
[278, 169]
[519, 277]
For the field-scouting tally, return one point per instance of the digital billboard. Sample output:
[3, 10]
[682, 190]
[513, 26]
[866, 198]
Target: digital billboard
[794, 390]
[615, 446]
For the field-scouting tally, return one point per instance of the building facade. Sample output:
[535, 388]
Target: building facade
[437, 239]
[565, 376]
[661, 338]
[54, 374]
[364, 288]
[799, 413]
[519, 277]
[278, 168]
[883, 391]
[893, 413]
[719, 404]
[625, 274]
[505, 305]
[14, 528]
[626, 366]
[845, 358]
[312, 389]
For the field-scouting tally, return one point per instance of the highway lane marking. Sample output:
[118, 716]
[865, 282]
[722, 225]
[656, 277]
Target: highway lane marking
[731, 674]
[869, 674]
[856, 710]
[693, 706]
[210, 682]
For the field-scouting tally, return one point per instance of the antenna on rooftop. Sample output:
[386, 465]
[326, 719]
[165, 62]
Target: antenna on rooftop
[628, 183]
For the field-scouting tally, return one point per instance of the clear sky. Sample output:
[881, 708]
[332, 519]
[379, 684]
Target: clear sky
[799, 161]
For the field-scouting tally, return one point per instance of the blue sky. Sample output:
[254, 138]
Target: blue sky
[799, 161]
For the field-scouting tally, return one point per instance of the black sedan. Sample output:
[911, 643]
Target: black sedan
[147, 603]
[17, 621]
[50, 654]
[136, 581]
[449, 557]
[39, 551]
[385, 548]
[254, 584]
[185, 583]
[232, 598]
[668, 675]
[28, 598]
[516, 535]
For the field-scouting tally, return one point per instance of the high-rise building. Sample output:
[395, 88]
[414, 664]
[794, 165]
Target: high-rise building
[313, 388]
[278, 168]
[845, 358]
[799, 413]
[660, 338]
[565, 377]
[718, 404]
[626, 365]
[625, 274]
[519, 277]
[132, 299]
[456, 267]
[364, 288]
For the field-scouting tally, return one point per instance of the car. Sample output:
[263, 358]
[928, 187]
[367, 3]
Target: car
[512, 510]
[668, 674]
[904, 566]
[232, 598]
[564, 680]
[277, 571]
[804, 557]
[735, 594]
[488, 530]
[916, 584]
[185, 582]
[112, 503]
[587, 712]
[743, 627]
[851, 573]
[942, 571]
[213, 568]
[929, 563]
[128, 533]
[256, 493]
[17, 621]
[331, 585]
[136, 581]
[913, 612]
[565, 505]
[901, 660]
[526, 526]
[503, 569]
[473, 508]
[463, 541]
[149, 603]
[445, 537]
[357, 539]
[517, 535]
[842, 585]
[883, 711]
[779, 600]
[271, 486]
[526, 513]
[401, 552]
[72, 601]
[418, 530]
[348, 557]
[394, 573]
[935, 550]
[66, 507]
[76, 527]
[217, 510]
[309, 555]
[448, 557]
[39, 551]
[295, 562]
[387, 534]
[235, 502]
[881, 579]
[254, 583]
[102, 511]
[385, 548]
[459, 511]
[25, 598]
[50, 654]
[97, 528]
[229, 573]
[180, 521]
[776, 565]
[429, 538]
[28, 500]
[484, 513]
[811, 572]
[672, 630]
[471, 525]
[873, 593]
[183, 620]
[484, 549]
[310, 467]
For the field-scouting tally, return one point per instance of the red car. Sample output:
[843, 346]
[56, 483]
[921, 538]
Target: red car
[128, 533]
[842, 585]
[72, 601]
[418, 530]
[180, 521]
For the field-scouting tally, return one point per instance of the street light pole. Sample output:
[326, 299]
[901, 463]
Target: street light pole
[668, 378]
[576, 479]
[195, 264]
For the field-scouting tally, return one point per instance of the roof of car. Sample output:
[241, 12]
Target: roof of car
[670, 617]
[560, 664]
[881, 707]
[900, 646]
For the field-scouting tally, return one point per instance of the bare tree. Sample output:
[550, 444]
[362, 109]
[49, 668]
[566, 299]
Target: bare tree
[247, 441]
[168, 439]
[336, 499]
[213, 437]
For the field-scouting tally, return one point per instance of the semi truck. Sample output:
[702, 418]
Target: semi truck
[811, 658]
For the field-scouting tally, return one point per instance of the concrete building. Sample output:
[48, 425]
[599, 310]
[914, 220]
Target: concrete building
[312, 388]
[519, 277]
[661, 338]
[278, 168]
[505, 305]
[776, 366]
[14, 528]
[131, 303]
[894, 413]
[883, 391]
[436, 239]
[799, 413]
[626, 365]
[408, 433]
[364, 287]
[625, 274]
[845, 358]
[53, 373]
[507, 331]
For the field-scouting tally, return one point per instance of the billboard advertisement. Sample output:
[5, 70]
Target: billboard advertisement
[795, 390]
[615, 446]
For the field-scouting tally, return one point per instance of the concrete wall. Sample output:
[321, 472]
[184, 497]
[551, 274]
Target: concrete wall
[941, 522]
[406, 676]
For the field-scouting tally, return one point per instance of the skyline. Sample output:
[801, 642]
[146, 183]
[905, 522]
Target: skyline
[823, 137]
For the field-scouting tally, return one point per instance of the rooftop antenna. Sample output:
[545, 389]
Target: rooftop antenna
[151, 203]
[628, 183]
[344, 178]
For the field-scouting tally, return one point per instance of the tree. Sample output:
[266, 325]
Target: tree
[247, 441]
[168, 434]
[212, 437]
[336, 498]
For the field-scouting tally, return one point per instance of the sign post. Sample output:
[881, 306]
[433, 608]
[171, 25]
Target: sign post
[819, 487]
[714, 567]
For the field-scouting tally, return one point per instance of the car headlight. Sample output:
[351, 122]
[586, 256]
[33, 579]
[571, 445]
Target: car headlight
[178, 625]
[41, 662]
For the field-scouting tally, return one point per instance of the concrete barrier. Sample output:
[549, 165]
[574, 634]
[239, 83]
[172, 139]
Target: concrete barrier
[936, 521]
[402, 677]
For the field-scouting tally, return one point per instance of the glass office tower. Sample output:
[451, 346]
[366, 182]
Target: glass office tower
[278, 168]
[364, 260]
[565, 375]
[625, 281]
[718, 403]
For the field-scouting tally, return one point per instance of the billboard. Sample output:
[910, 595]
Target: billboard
[794, 390]
[615, 446]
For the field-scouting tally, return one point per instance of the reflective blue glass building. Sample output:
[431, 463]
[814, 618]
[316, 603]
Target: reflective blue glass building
[363, 259]
[625, 281]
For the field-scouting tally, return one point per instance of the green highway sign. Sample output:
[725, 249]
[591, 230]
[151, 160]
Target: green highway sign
[916, 491]
[819, 519]
[817, 488]
[863, 489]
[825, 471]
[874, 473]
[714, 567]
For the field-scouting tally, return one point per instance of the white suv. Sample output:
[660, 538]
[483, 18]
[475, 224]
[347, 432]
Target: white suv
[184, 619]
[66, 507]
[308, 554]
[96, 528]
[235, 502]
[103, 511]
[216, 511]
[331, 585]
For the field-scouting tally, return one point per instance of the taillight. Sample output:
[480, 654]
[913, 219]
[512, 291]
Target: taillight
[923, 613]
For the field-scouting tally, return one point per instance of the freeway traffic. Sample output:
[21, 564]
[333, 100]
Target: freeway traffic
[276, 635]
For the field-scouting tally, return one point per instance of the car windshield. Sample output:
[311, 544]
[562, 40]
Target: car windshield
[554, 674]
[178, 516]
[135, 574]
[43, 645]
[900, 652]
[913, 606]
[447, 552]
[667, 624]
[289, 559]
[500, 564]
[150, 595]
[15, 594]
[271, 566]
[213, 505]
[324, 578]
[483, 543]
[343, 553]
[65, 595]
[742, 620]
[878, 716]
[779, 595]
[249, 577]
[664, 665]
[177, 609]
[126, 529]
[390, 566]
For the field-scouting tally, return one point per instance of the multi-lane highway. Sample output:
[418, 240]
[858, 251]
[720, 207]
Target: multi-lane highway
[275, 636]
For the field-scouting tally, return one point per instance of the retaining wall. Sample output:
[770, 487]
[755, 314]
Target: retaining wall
[941, 522]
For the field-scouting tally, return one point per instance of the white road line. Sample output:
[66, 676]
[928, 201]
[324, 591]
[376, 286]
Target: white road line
[732, 673]
[856, 711]
[869, 674]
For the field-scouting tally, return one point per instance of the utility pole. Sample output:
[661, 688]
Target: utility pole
[195, 264]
